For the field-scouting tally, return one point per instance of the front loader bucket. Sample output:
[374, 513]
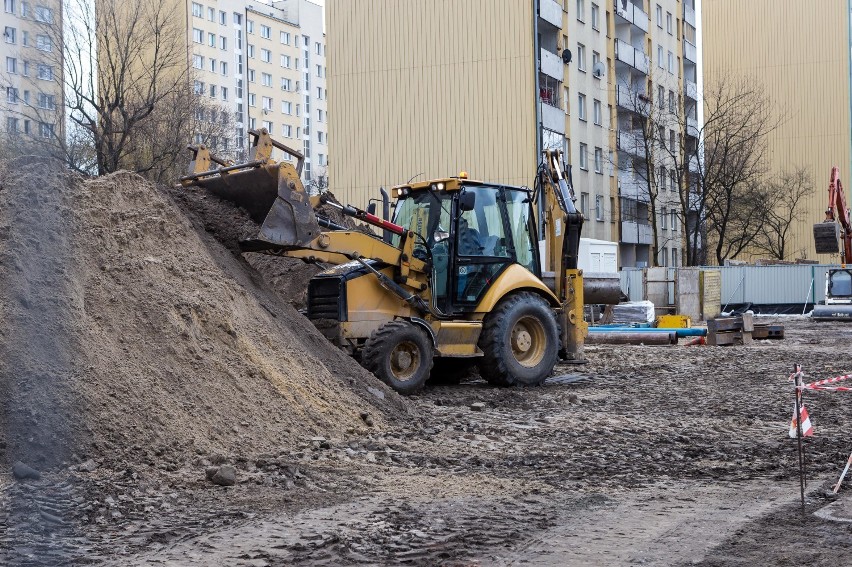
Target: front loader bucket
[271, 192]
[827, 237]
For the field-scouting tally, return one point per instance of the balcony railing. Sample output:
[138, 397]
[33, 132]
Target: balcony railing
[631, 143]
[691, 90]
[689, 15]
[552, 65]
[552, 116]
[636, 58]
[692, 127]
[689, 51]
[631, 13]
[551, 12]
[632, 100]
[636, 233]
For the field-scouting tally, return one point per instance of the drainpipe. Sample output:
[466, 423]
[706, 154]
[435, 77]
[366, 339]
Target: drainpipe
[537, 101]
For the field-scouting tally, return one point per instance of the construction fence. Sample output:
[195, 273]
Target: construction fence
[800, 284]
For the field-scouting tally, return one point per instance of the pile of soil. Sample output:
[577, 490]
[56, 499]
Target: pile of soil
[127, 334]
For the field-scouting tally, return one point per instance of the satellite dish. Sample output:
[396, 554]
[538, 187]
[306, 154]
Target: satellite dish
[566, 56]
[599, 70]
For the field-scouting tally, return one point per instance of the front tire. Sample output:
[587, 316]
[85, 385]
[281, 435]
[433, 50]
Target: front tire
[400, 355]
[519, 341]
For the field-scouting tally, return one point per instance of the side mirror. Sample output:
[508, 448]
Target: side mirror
[467, 201]
[371, 208]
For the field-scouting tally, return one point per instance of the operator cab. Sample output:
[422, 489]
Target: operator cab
[471, 231]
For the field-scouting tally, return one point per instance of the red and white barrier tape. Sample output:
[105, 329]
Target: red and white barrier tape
[816, 385]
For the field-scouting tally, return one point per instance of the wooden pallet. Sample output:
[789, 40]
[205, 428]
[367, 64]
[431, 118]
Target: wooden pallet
[767, 331]
[730, 330]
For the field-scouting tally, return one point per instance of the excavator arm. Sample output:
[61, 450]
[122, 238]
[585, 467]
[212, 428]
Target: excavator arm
[563, 226]
[836, 227]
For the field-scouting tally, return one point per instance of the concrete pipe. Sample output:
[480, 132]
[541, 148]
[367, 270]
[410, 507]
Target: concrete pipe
[638, 338]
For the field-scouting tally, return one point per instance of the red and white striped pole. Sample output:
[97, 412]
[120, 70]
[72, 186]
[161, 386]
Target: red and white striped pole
[843, 474]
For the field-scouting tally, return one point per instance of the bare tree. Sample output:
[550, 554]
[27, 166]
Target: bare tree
[785, 199]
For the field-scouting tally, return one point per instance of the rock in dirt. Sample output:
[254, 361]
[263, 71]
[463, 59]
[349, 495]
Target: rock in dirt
[226, 475]
[22, 471]
[88, 466]
[477, 406]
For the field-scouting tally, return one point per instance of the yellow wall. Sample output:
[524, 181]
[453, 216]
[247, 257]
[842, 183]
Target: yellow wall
[799, 51]
[429, 87]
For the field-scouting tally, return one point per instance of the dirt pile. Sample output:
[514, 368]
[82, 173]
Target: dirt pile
[127, 334]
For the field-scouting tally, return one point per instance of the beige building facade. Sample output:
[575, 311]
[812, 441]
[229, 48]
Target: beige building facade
[31, 78]
[425, 92]
[265, 63]
[799, 52]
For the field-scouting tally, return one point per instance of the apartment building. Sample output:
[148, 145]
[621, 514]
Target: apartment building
[434, 98]
[266, 64]
[657, 73]
[799, 55]
[32, 103]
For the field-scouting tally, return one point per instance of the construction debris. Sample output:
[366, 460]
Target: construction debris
[730, 330]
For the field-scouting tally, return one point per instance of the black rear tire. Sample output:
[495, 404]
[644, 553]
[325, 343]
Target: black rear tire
[400, 355]
[519, 341]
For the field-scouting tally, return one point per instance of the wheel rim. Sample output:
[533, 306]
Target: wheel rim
[528, 341]
[405, 361]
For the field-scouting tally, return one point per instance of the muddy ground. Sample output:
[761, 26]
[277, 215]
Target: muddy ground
[646, 455]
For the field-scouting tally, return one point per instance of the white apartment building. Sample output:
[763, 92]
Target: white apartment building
[31, 76]
[266, 63]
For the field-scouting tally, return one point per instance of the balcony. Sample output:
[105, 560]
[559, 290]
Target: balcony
[693, 164]
[552, 117]
[632, 101]
[689, 52]
[636, 58]
[630, 143]
[551, 12]
[631, 187]
[630, 13]
[552, 65]
[692, 127]
[689, 15]
[636, 233]
[691, 90]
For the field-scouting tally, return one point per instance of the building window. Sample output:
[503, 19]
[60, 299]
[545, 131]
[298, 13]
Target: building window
[598, 160]
[46, 101]
[584, 205]
[238, 19]
[223, 42]
[318, 48]
[288, 131]
[672, 102]
[320, 137]
[285, 61]
[669, 22]
[664, 217]
[212, 65]
[223, 68]
[197, 35]
[286, 84]
[197, 62]
[11, 65]
[11, 124]
[671, 62]
[265, 31]
[660, 61]
[581, 57]
[599, 212]
[659, 16]
[319, 70]
[224, 93]
[250, 51]
[45, 72]
[252, 99]
[612, 210]
[319, 92]
[672, 145]
[211, 14]
[9, 34]
[198, 87]
[581, 10]
[285, 38]
[661, 97]
[584, 158]
[250, 26]
[197, 10]
[581, 106]
[567, 99]
[661, 178]
[266, 79]
[673, 214]
[672, 181]
[9, 6]
[596, 16]
[674, 257]
[268, 125]
[44, 14]
[223, 19]
[319, 115]
[251, 75]
[211, 39]
[287, 107]
[212, 91]
[267, 103]
[597, 114]
[45, 130]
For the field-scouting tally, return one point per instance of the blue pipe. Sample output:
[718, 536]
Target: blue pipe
[691, 332]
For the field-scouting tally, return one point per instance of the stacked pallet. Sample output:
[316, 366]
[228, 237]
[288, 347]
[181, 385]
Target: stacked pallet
[730, 330]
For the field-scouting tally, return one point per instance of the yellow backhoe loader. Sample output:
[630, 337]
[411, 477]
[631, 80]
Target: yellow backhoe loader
[454, 278]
